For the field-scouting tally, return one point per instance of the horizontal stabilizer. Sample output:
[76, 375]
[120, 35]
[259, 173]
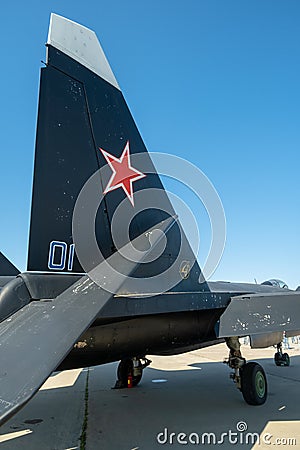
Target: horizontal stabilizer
[256, 313]
[36, 338]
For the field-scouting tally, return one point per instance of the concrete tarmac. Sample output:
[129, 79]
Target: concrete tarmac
[189, 394]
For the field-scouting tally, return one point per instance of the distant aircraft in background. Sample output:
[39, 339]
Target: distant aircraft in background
[76, 304]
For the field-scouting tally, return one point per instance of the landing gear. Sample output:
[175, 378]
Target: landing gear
[254, 384]
[281, 359]
[250, 378]
[130, 372]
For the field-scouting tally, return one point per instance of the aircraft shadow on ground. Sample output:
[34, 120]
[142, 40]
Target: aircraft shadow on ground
[199, 398]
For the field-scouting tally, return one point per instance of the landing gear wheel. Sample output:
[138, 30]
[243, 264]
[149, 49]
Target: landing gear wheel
[286, 359]
[125, 369]
[253, 384]
[282, 359]
[277, 358]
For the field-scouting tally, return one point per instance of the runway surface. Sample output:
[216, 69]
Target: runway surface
[189, 394]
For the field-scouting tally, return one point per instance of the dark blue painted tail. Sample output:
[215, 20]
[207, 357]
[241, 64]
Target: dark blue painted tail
[83, 125]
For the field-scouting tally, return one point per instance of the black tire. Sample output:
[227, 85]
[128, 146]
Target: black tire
[254, 384]
[277, 359]
[286, 359]
[282, 359]
[125, 368]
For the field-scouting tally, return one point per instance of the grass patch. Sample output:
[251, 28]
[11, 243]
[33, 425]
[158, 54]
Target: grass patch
[82, 438]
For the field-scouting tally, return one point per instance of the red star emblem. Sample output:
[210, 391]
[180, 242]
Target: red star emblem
[123, 174]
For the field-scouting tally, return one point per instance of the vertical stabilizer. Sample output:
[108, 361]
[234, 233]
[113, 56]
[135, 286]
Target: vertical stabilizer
[85, 129]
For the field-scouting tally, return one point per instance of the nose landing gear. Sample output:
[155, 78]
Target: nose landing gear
[281, 359]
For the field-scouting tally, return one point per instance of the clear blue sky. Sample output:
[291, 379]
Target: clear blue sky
[213, 81]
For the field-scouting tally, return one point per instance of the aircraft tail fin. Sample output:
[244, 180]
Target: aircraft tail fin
[91, 164]
[7, 268]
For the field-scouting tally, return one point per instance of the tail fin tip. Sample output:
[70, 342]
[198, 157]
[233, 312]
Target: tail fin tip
[81, 44]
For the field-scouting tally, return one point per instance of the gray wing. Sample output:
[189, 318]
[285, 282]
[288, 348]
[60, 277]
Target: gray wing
[35, 339]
